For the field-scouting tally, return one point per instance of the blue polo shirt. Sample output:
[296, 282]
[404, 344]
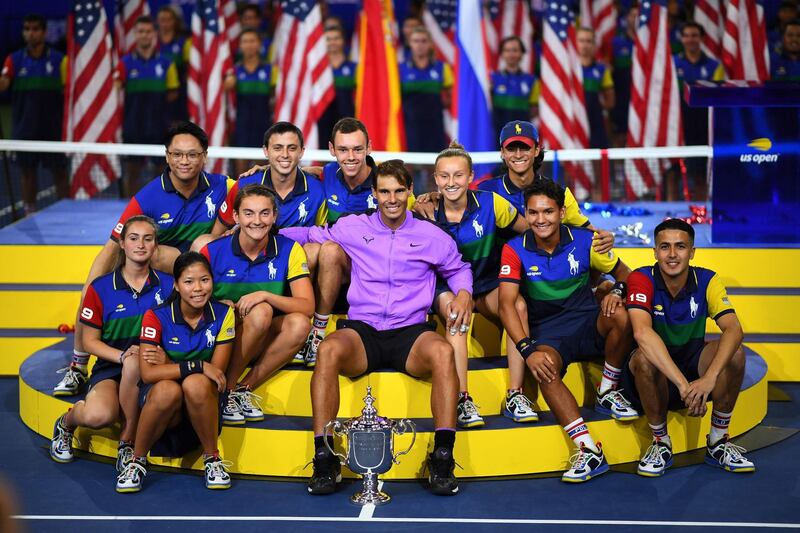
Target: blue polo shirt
[784, 69]
[556, 287]
[253, 113]
[340, 198]
[695, 119]
[344, 81]
[281, 262]
[303, 206]
[37, 94]
[421, 90]
[512, 97]
[180, 220]
[622, 47]
[165, 326]
[146, 83]
[596, 78]
[476, 235]
[679, 321]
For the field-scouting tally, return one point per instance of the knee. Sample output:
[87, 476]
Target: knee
[97, 417]
[297, 326]
[641, 367]
[330, 254]
[130, 369]
[328, 356]
[443, 358]
[737, 362]
[312, 254]
[201, 241]
[621, 321]
[165, 396]
[259, 318]
[197, 389]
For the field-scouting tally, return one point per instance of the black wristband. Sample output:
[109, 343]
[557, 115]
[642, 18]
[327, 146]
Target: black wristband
[525, 347]
[620, 288]
[190, 367]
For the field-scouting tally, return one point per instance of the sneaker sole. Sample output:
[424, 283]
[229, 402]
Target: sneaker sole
[217, 486]
[254, 418]
[65, 393]
[233, 422]
[645, 473]
[440, 492]
[128, 490]
[608, 412]
[311, 365]
[602, 469]
[741, 470]
[521, 419]
[475, 424]
[62, 461]
[324, 492]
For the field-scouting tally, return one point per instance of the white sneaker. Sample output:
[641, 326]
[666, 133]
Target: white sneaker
[655, 460]
[72, 383]
[519, 409]
[615, 405]
[467, 415]
[728, 456]
[585, 464]
[61, 443]
[314, 340]
[124, 456]
[130, 480]
[217, 477]
[249, 405]
[232, 413]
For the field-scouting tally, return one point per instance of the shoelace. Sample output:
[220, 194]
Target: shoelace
[653, 455]
[522, 402]
[126, 454]
[733, 451]
[69, 378]
[65, 438]
[249, 400]
[578, 460]
[470, 408]
[617, 398]
[131, 470]
[316, 340]
[233, 404]
[217, 468]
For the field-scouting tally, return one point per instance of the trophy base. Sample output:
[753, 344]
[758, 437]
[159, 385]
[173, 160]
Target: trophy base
[375, 498]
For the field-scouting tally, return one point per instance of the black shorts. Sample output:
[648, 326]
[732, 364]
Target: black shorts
[341, 306]
[181, 439]
[103, 370]
[50, 160]
[575, 341]
[689, 367]
[388, 348]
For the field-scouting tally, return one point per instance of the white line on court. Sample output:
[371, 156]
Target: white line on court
[401, 520]
[369, 509]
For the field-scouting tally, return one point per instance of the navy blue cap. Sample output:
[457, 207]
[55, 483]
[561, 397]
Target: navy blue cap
[519, 130]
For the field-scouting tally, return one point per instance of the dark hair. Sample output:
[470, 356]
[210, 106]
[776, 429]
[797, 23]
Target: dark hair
[349, 125]
[537, 161]
[180, 26]
[509, 39]
[250, 7]
[187, 259]
[394, 168]
[124, 231]
[187, 128]
[283, 127]
[677, 224]
[692, 24]
[793, 22]
[454, 150]
[545, 187]
[245, 31]
[38, 19]
[254, 189]
[144, 19]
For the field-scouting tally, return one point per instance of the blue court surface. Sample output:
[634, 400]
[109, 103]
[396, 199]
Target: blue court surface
[80, 496]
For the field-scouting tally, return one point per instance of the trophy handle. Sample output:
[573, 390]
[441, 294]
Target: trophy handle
[336, 428]
[400, 427]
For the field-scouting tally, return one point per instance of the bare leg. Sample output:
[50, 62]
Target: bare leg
[458, 341]
[619, 336]
[161, 411]
[489, 306]
[100, 409]
[129, 398]
[201, 399]
[433, 356]
[333, 266]
[729, 381]
[164, 258]
[312, 254]
[288, 333]
[557, 395]
[30, 186]
[652, 387]
[250, 341]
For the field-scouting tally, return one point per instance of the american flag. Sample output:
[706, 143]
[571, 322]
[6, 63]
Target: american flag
[745, 51]
[562, 109]
[305, 86]
[507, 18]
[90, 100]
[601, 16]
[439, 17]
[654, 116]
[124, 21]
[710, 15]
[232, 26]
[209, 62]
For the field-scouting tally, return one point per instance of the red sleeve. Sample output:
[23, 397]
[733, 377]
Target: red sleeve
[640, 292]
[132, 209]
[92, 309]
[151, 329]
[510, 265]
[8, 68]
[204, 251]
[225, 214]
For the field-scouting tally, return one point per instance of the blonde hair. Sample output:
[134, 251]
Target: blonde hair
[454, 150]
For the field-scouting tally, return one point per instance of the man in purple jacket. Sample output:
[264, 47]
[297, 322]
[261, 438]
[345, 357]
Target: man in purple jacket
[395, 259]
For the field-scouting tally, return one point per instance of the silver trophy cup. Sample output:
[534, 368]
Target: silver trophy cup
[370, 447]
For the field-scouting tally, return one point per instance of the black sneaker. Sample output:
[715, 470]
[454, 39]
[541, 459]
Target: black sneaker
[440, 472]
[327, 472]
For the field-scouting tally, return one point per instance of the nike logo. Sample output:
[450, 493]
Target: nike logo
[415, 245]
[368, 238]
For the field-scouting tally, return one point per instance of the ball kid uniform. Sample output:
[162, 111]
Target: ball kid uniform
[476, 236]
[146, 82]
[513, 95]
[281, 262]
[622, 47]
[343, 104]
[116, 309]
[165, 326]
[562, 310]
[178, 51]
[695, 119]
[596, 78]
[784, 69]
[253, 113]
[303, 206]
[423, 110]
[679, 321]
[180, 220]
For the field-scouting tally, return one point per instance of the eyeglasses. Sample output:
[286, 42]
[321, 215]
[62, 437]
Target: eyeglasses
[192, 157]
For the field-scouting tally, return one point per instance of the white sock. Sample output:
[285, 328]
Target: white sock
[719, 426]
[660, 433]
[579, 433]
[610, 378]
[320, 323]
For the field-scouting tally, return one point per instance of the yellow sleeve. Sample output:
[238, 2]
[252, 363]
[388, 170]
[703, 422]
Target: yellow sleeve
[411, 201]
[719, 73]
[717, 298]
[607, 82]
[447, 76]
[63, 67]
[504, 213]
[229, 183]
[573, 216]
[605, 263]
[172, 78]
[298, 263]
[322, 214]
[228, 330]
[274, 74]
[535, 92]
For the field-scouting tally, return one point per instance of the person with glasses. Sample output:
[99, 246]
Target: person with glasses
[183, 200]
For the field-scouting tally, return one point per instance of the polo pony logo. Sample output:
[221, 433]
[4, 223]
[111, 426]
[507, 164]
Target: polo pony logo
[211, 207]
[693, 307]
[517, 129]
[272, 270]
[574, 264]
[478, 228]
[209, 339]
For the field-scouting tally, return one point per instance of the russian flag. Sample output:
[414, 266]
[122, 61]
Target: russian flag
[472, 103]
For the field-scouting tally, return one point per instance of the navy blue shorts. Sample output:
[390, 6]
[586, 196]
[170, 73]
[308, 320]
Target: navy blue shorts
[181, 439]
[580, 342]
[689, 367]
[49, 160]
[103, 370]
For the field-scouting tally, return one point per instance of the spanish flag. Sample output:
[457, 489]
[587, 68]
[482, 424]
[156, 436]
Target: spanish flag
[378, 100]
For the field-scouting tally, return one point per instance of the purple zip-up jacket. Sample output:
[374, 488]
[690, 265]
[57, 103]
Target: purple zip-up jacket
[393, 271]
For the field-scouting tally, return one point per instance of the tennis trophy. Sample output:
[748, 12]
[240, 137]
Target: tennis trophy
[370, 448]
